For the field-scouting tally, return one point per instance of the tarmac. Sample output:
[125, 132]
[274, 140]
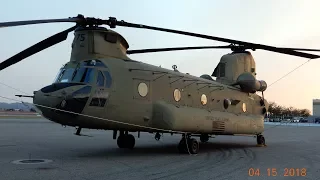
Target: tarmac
[54, 152]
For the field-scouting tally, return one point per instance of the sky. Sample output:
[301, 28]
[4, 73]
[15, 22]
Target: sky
[286, 23]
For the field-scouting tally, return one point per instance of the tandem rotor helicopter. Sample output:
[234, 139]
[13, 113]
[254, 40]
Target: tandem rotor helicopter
[102, 88]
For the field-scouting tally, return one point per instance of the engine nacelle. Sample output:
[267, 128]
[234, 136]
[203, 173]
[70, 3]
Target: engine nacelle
[248, 83]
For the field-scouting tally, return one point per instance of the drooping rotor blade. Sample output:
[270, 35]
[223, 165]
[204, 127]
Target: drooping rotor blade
[20, 95]
[112, 22]
[42, 21]
[175, 49]
[52, 40]
[301, 49]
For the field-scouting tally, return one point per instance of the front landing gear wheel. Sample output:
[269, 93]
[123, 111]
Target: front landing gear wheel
[193, 146]
[261, 140]
[187, 145]
[126, 141]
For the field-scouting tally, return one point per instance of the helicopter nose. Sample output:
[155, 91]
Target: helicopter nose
[70, 102]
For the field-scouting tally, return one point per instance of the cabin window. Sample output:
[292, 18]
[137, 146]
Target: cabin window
[143, 89]
[226, 103]
[100, 79]
[177, 95]
[108, 79]
[203, 99]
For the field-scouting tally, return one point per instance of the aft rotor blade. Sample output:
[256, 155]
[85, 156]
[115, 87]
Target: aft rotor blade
[42, 21]
[55, 39]
[301, 49]
[112, 22]
[175, 49]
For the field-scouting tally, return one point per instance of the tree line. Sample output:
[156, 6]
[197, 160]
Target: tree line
[276, 110]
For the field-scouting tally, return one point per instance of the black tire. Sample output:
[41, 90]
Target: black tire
[193, 146]
[121, 140]
[182, 147]
[130, 141]
[261, 140]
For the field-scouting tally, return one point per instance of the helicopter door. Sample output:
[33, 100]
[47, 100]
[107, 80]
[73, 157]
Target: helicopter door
[99, 95]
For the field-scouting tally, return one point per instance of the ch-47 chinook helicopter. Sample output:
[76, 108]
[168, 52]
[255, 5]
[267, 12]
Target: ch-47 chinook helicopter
[101, 83]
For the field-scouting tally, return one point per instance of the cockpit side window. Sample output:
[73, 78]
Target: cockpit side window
[66, 75]
[100, 79]
[60, 73]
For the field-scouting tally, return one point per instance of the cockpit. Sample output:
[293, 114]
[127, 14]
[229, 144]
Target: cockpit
[84, 72]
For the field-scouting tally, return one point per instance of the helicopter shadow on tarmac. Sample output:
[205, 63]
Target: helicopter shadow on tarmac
[165, 149]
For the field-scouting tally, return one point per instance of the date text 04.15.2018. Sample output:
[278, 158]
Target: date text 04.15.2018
[277, 172]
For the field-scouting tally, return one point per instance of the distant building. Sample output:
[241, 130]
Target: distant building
[315, 118]
[316, 107]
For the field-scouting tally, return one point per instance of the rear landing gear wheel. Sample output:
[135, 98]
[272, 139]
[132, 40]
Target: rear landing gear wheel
[261, 140]
[121, 141]
[182, 147]
[187, 145]
[126, 141]
[130, 141]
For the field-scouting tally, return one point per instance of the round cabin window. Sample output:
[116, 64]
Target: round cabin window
[226, 103]
[143, 89]
[203, 99]
[244, 107]
[177, 95]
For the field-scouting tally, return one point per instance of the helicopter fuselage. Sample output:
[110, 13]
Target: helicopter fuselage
[137, 96]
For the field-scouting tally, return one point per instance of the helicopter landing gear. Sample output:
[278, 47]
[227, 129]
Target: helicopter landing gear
[204, 138]
[188, 145]
[260, 140]
[157, 136]
[126, 140]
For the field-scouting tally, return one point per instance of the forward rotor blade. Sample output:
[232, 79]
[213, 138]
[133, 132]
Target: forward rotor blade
[52, 40]
[112, 22]
[175, 49]
[300, 49]
[42, 21]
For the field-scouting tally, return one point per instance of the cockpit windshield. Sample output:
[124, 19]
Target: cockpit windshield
[83, 73]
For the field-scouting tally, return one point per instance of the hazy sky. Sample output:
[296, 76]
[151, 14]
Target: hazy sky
[288, 23]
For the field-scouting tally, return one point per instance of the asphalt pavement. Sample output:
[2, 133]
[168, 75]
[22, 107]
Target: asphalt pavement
[51, 151]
